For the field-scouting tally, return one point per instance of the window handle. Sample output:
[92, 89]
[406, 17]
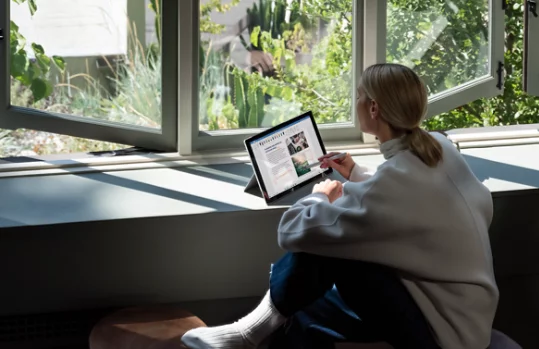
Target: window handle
[1, 34]
[532, 7]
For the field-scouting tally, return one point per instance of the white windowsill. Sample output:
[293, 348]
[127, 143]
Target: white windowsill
[465, 138]
[190, 187]
[131, 162]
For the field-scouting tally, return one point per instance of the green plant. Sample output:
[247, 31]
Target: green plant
[270, 16]
[206, 24]
[156, 6]
[31, 73]
[320, 83]
[137, 100]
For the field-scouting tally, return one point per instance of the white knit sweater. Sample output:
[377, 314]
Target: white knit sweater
[430, 224]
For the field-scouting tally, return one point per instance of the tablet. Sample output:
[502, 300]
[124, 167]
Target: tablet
[283, 155]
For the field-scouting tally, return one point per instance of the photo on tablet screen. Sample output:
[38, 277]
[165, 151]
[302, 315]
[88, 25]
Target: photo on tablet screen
[301, 165]
[297, 143]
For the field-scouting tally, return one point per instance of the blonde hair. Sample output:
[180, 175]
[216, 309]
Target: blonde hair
[402, 102]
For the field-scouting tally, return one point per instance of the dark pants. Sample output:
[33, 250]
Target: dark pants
[329, 300]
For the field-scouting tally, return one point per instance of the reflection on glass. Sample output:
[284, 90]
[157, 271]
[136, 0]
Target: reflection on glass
[97, 59]
[445, 42]
[265, 61]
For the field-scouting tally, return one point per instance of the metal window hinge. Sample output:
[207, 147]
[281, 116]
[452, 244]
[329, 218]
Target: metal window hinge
[1, 34]
[532, 7]
[500, 72]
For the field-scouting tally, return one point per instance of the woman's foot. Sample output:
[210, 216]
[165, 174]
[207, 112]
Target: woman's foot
[247, 333]
[220, 337]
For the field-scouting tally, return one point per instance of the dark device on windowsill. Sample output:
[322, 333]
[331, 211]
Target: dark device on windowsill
[285, 157]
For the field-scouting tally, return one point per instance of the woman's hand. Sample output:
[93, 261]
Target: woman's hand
[332, 189]
[344, 166]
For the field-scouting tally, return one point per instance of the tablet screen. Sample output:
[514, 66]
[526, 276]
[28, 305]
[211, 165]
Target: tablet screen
[284, 155]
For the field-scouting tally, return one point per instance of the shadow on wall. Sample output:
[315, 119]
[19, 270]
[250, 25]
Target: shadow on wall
[238, 174]
[31, 209]
[160, 191]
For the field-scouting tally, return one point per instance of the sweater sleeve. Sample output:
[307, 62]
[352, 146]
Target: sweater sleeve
[359, 174]
[313, 224]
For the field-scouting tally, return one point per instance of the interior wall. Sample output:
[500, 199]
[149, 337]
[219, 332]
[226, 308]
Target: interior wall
[216, 256]
[515, 239]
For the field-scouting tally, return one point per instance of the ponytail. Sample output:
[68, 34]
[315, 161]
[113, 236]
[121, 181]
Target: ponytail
[402, 102]
[426, 147]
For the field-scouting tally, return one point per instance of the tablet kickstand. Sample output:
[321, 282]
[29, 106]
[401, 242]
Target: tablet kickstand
[252, 187]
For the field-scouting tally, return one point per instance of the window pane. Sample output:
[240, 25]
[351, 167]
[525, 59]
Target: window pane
[265, 61]
[514, 107]
[88, 58]
[445, 42]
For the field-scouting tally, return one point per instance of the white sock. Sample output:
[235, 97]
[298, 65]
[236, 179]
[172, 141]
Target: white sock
[247, 332]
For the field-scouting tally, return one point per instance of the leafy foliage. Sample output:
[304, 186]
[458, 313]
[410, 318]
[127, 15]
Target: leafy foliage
[457, 32]
[312, 56]
[32, 72]
[445, 42]
[514, 106]
[206, 24]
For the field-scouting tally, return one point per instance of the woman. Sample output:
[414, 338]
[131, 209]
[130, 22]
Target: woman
[402, 256]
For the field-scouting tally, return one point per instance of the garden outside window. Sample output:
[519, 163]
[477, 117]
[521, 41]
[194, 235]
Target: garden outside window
[219, 71]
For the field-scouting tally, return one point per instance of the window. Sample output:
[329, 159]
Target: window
[206, 74]
[87, 69]
[452, 45]
[460, 63]
[265, 61]
[300, 54]
[514, 106]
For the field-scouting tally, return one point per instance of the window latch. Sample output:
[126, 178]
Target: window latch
[532, 7]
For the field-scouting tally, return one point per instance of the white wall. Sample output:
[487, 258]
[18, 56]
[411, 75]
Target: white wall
[75, 28]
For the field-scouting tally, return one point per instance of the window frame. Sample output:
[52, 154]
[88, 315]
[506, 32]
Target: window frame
[531, 52]
[369, 47]
[13, 117]
[486, 86]
[196, 140]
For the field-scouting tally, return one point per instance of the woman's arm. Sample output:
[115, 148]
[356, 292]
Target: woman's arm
[359, 173]
[313, 224]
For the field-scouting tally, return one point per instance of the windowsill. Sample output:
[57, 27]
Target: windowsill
[189, 187]
[86, 163]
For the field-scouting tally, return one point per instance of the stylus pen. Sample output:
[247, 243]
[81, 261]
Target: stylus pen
[334, 157]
